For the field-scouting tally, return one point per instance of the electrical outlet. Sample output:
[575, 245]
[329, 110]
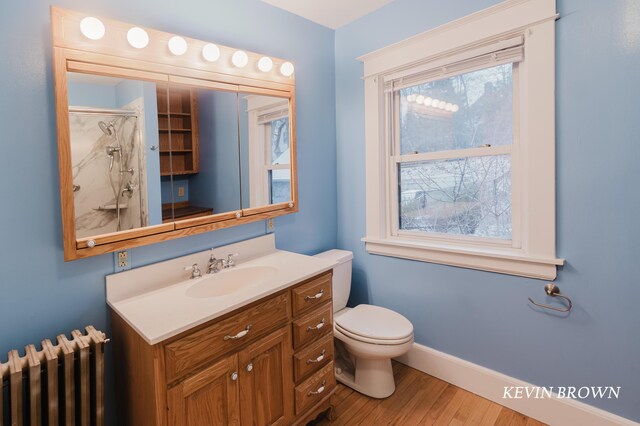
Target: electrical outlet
[121, 261]
[181, 191]
[271, 226]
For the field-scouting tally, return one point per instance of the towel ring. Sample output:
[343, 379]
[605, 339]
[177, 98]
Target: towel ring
[554, 291]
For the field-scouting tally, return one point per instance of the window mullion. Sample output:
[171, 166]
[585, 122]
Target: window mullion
[393, 178]
[454, 154]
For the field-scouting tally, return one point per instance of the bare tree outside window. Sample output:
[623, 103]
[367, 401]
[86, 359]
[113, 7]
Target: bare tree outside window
[279, 179]
[462, 195]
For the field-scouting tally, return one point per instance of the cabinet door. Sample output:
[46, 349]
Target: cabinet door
[210, 397]
[266, 380]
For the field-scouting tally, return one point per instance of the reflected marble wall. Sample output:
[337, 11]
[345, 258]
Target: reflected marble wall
[95, 201]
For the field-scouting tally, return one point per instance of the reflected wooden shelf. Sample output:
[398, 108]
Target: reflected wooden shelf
[176, 173]
[176, 114]
[176, 151]
[178, 129]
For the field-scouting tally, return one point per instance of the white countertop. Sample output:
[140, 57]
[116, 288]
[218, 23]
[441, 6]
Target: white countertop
[158, 312]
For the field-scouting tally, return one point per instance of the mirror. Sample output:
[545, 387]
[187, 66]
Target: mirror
[115, 141]
[154, 146]
[265, 150]
[205, 167]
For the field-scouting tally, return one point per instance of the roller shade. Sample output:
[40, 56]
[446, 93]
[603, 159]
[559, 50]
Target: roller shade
[273, 115]
[490, 55]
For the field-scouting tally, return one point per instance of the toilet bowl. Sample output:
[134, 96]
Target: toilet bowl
[366, 336]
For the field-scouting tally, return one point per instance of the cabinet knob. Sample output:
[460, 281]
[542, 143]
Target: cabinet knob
[250, 367]
[91, 243]
[234, 376]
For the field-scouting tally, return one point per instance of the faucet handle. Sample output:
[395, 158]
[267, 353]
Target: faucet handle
[230, 262]
[195, 271]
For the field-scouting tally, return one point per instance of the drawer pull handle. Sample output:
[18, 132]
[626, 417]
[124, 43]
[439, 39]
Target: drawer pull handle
[317, 327]
[317, 296]
[319, 359]
[234, 376]
[250, 367]
[319, 390]
[239, 335]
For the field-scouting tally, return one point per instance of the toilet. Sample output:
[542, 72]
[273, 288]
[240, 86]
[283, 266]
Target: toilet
[366, 337]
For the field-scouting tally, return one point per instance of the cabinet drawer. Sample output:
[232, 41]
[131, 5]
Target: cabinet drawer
[312, 358]
[312, 294]
[206, 344]
[313, 325]
[315, 388]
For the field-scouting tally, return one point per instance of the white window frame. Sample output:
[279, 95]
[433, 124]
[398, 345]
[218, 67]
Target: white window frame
[259, 141]
[532, 250]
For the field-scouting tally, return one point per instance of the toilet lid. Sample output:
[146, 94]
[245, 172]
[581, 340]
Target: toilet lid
[375, 322]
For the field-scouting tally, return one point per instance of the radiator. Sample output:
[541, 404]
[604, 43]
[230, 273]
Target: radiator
[61, 384]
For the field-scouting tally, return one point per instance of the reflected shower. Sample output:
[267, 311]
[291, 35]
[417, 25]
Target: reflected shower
[109, 129]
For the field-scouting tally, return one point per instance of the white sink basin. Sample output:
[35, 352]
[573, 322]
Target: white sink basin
[229, 281]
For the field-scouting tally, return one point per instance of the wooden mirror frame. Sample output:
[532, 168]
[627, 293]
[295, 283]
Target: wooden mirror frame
[113, 56]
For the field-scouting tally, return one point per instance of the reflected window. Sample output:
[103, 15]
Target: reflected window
[269, 150]
[277, 165]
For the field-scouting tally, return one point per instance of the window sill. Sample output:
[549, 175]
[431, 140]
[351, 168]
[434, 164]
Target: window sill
[503, 261]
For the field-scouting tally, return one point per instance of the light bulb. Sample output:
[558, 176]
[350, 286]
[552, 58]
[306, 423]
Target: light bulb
[240, 58]
[286, 69]
[92, 28]
[448, 107]
[177, 45]
[434, 103]
[211, 52]
[455, 108]
[265, 64]
[419, 99]
[138, 38]
[411, 98]
[427, 101]
[442, 104]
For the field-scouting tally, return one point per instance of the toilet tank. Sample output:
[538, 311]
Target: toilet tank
[342, 260]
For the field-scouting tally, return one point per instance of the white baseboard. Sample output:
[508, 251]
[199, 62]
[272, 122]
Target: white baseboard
[490, 384]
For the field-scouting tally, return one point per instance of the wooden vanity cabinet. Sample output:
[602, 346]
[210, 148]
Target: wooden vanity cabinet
[210, 397]
[266, 380]
[214, 374]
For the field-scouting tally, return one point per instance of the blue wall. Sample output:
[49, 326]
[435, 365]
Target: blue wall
[218, 183]
[42, 295]
[128, 91]
[484, 317]
[91, 95]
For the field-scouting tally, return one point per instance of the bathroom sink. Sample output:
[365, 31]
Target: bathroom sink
[229, 281]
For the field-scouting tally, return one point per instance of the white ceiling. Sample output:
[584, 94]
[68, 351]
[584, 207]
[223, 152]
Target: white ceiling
[330, 13]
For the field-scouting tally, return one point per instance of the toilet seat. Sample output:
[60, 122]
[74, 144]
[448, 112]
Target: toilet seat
[374, 324]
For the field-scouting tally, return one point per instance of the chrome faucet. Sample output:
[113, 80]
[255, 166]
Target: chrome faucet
[195, 271]
[216, 264]
[213, 268]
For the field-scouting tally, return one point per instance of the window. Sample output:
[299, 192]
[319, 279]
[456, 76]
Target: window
[454, 142]
[278, 159]
[269, 152]
[461, 143]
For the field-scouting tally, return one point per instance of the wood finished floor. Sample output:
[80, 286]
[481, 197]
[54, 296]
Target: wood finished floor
[421, 399]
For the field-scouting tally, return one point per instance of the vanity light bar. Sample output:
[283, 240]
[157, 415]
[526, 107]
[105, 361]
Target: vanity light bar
[94, 29]
[433, 103]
